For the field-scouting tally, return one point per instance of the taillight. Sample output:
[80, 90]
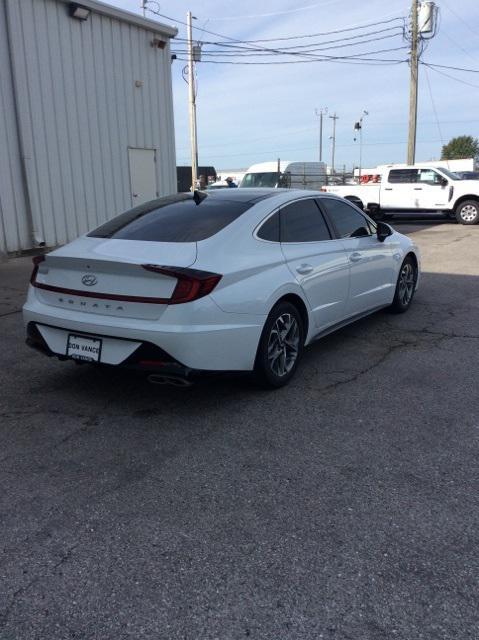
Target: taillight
[37, 260]
[192, 284]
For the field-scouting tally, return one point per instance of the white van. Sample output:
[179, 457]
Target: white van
[291, 175]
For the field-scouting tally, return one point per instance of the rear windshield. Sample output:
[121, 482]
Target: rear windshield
[178, 218]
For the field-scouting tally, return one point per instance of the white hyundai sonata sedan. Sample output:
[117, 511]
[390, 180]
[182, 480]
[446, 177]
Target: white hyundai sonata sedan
[228, 280]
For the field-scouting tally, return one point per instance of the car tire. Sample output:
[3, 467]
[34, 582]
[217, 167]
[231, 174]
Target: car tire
[277, 359]
[405, 286]
[468, 212]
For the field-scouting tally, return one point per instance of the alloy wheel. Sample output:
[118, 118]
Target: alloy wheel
[407, 281]
[283, 344]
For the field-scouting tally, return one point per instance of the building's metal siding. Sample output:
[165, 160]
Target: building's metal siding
[14, 233]
[79, 111]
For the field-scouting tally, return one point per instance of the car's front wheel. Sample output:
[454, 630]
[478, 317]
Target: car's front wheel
[280, 346]
[405, 286]
[468, 212]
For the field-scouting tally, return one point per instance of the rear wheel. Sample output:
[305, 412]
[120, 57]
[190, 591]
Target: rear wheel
[468, 212]
[405, 287]
[280, 347]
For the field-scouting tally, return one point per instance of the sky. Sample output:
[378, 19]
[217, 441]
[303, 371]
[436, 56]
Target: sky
[254, 113]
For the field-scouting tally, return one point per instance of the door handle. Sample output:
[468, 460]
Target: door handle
[388, 188]
[356, 256]
[304, 269]
[417, 188]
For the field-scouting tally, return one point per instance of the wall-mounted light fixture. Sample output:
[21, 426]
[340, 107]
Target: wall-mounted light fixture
[158, 44]
[78, 11]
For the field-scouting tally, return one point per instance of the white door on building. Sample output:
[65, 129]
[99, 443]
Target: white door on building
[142, 175]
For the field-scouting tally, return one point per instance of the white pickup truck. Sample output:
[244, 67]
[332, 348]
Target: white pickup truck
[407, 188]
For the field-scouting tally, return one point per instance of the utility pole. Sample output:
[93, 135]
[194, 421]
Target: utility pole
[192, 103]
[333, 138]
[320, 115]
[358, 126]
[414, 64]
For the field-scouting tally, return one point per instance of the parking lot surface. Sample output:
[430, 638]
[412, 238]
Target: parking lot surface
[344, 506]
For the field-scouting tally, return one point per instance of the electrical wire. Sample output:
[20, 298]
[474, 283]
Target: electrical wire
[474, 31]
[362, 60]
[344, 60]
[319, 33]
[433, 105]
[445, 66]
[313, 46]
[459, 46]
[225, 37]
[447, 75]
[311, 56]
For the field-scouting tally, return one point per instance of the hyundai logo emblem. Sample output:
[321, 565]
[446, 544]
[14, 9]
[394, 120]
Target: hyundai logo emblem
[89, 280]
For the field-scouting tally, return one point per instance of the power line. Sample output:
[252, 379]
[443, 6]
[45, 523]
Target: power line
[326, 33]
[342, 39]
[311, 48]
[474, 31]
[225, 37]
[340, 60]
[447, 75]
[459, 46]
[315, 58]
[434, 106]
[319, 33]
[445, 66]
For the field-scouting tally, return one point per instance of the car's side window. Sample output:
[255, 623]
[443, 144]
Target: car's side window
[429, 176]
[270, 229]
[302, 221]
[348, 222]
[402, 176]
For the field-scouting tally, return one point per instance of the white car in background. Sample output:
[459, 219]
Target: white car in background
[228, 280]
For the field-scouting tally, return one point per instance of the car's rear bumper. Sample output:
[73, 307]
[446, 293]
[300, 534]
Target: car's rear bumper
[202, 337]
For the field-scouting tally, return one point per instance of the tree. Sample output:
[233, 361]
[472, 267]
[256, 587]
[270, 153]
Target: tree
[460, 147]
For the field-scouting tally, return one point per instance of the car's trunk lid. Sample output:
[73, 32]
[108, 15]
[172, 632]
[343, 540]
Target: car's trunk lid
[99, 276]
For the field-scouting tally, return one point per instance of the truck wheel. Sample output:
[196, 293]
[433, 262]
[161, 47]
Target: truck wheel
[355, 200]
[468, 212]
[374, 211]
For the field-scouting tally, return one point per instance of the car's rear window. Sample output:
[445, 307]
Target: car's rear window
[178, 218]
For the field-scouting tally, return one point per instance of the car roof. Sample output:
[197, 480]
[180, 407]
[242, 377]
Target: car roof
[242, 195]
[255, 195]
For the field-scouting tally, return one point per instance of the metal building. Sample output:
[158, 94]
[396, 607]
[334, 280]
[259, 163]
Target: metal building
[86, 118]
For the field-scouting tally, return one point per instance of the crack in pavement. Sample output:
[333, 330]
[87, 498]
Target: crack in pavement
[439, 338]
[10, 313]
[378, 363]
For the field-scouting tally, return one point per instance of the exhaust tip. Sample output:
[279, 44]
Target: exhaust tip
[175, 381]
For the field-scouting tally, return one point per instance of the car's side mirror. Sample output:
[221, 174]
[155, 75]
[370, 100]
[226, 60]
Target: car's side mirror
[444, 182]
[383, 231]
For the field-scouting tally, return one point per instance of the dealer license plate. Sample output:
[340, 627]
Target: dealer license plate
[83, 348]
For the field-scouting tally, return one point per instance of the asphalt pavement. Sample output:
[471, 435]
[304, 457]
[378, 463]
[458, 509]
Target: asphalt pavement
[344, 506]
